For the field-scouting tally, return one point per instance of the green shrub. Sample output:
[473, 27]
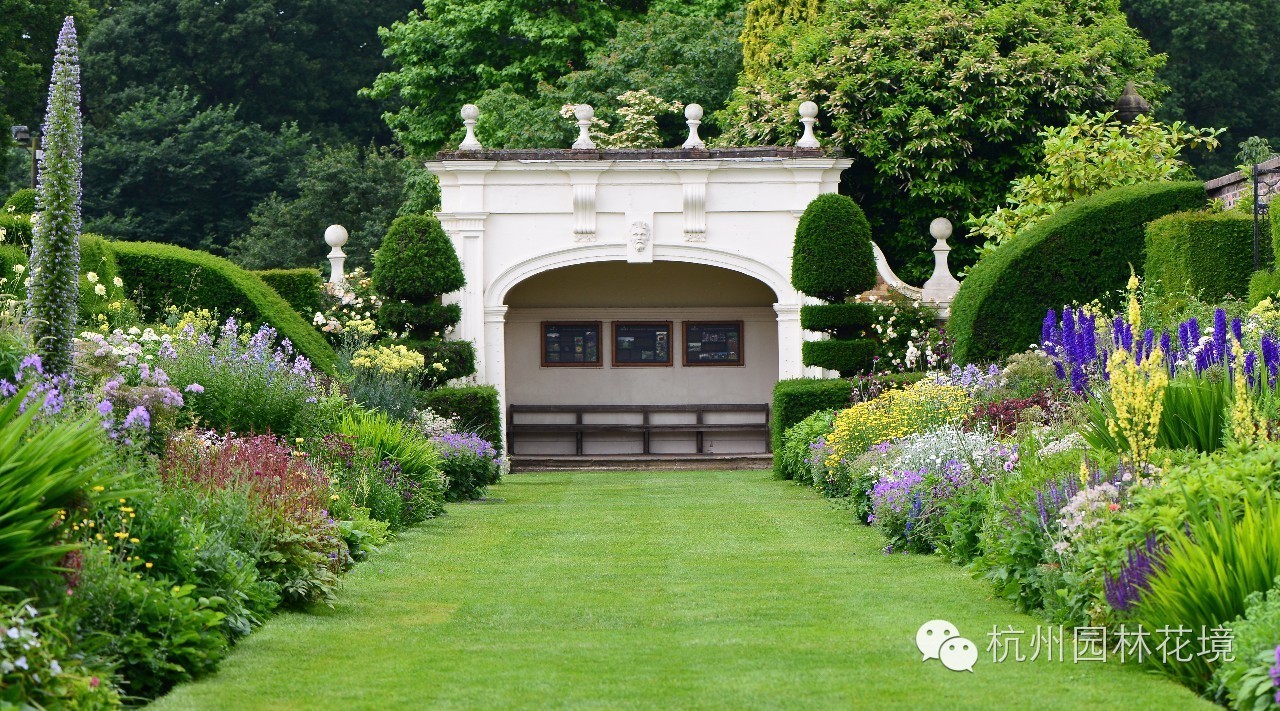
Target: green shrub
[843, 320]
[793, 458]
[160, 275]
[17, 228]
[475, 408]
[847, 357]
[1080, 253]
[1210, 253]
[415, 266]
[300, 287]
[1263, 284]
[470, 463]
[1208, 573]
[155, 630]
[413, 462]
[832, 260]
[794, 400]
[23, 202]
[1245, 681]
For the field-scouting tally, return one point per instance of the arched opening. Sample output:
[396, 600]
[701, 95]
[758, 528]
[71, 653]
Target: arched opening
[680, 343]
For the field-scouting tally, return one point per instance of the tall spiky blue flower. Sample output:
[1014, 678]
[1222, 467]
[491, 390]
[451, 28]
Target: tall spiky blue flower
[55, 254]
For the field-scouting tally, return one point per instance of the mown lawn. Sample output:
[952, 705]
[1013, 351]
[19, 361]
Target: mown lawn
[649, 590]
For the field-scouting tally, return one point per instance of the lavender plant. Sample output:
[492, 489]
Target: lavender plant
[54, 290]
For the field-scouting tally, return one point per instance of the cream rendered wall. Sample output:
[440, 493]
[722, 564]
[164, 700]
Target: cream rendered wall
[529, 383]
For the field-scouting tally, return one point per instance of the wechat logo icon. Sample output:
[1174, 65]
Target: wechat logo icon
[939, 639]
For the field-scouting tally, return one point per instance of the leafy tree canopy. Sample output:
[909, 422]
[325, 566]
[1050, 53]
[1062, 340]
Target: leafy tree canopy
[1223, 68]
[1090, 154]
[662, 53]
[28, 33]
[167, 170]
[938, 101]
[360, 189]
[508, 57]
[279, 61]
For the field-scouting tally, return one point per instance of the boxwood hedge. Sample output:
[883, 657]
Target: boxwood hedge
[1211, 253]
[474, 407]
[794, 400]
[160, 275]
[1080, 253]
[300, 287]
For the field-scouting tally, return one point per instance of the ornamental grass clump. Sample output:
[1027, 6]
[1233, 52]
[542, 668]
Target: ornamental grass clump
[54, 290]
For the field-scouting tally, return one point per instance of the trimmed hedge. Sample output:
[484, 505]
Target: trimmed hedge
[300, 287]
[794, 400]
[832, 258]
[23, 202]
[1209, 252]
[840, 320]
[847, 357]
[1080, 253]
[474, 407]
[163, 274]
[1264, 284]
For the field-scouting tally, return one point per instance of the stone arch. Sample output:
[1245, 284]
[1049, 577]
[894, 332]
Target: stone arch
[496, 291]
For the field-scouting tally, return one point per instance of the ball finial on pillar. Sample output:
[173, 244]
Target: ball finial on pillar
[336, 236]
[470, 114]
[808, 117]
[693, 117]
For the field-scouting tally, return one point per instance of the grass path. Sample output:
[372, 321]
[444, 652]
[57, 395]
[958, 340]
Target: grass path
[648, 590]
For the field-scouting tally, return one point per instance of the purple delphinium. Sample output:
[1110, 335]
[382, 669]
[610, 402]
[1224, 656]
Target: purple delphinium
[1125, 588]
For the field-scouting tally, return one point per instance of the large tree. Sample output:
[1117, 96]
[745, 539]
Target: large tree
[1223, 69]
[28, 33]
[449, 53]
[938, 101]
[168, 170]
[361, 189]
[662, 52]
[279, 61]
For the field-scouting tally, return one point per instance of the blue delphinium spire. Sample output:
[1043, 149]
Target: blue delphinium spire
[53, 291]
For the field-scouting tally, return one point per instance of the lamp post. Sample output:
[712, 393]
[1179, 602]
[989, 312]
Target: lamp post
[1259, 209]
[31, 141]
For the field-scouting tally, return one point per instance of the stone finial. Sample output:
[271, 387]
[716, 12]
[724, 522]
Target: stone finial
[585, 114]
[942, 286]
[693, 117]
[470, 114]
[1131, 105]
[808, 117]
[336, 236]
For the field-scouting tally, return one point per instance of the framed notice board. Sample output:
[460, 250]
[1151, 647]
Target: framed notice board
[641, 343]
[713, 343]
[571, 343]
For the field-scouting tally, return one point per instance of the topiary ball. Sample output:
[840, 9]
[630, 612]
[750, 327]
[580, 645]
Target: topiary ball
[832, 258]
[23, 202]
[417, 262]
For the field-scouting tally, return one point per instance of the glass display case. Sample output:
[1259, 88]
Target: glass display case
[637, 343]
[571, 343]
[713, 343]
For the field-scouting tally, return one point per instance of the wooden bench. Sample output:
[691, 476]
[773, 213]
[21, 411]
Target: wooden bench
[646, 426]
